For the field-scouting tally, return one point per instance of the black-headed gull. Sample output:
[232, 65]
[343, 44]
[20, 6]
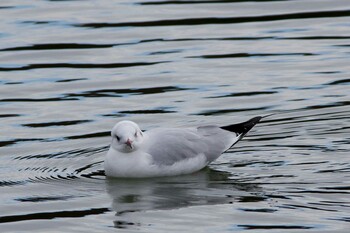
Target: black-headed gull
[169, 151]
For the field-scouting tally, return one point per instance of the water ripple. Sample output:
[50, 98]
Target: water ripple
[57, 47]
[171, 2]
[78, 66]
[239, 55]
[127, 92]
[53, 215]
[227, 20]
[272, 227]
[226, 111]
[56, 123]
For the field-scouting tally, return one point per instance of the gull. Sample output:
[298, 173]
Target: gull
[169, 151]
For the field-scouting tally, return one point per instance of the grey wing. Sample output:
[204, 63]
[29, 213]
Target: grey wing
[168, 146]
[217, 139]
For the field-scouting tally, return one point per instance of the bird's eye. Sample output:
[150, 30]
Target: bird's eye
[135, 134]
[118, 138]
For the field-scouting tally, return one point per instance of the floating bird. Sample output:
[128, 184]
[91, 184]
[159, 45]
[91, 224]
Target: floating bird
[169, 151]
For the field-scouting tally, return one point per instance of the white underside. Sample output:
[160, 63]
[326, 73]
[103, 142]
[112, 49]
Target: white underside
[140, 164]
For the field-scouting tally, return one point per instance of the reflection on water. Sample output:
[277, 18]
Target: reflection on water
[206, 187]
[70, 69]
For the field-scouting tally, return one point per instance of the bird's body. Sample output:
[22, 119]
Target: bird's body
[168, 151]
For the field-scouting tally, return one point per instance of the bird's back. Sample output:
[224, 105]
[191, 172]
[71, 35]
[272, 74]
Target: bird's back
[169, 146]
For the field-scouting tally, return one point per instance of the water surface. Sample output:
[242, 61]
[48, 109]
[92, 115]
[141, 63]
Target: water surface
[69, 70]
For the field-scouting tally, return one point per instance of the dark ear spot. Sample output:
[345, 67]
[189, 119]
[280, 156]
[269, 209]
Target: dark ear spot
[118, 138]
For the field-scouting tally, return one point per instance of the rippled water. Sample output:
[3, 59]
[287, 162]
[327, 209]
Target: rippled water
[70, 69]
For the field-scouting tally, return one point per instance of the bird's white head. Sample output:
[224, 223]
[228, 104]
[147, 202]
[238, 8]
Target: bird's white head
[126, 136]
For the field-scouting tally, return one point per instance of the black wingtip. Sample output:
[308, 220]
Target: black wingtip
[244, 127]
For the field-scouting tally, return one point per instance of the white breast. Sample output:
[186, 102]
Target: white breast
[132, 164]
[139, 164]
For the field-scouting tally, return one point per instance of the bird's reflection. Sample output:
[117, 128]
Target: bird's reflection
[202, 188]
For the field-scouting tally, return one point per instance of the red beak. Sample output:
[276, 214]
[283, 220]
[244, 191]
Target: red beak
[129, 143]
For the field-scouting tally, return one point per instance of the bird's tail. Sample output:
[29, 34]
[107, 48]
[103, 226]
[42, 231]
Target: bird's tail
[242, 129]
